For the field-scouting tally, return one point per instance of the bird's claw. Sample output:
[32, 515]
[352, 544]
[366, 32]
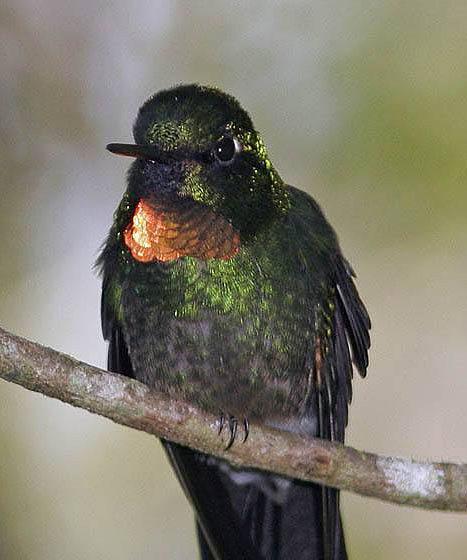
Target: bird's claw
[246, 429]
[221, 423]
[232, 424]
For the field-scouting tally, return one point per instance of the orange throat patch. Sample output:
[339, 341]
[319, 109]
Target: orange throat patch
[158, 232]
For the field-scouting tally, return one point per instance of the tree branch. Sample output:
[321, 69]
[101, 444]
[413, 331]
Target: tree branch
[130, 403]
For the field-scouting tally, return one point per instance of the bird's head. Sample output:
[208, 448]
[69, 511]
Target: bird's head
[198, 157]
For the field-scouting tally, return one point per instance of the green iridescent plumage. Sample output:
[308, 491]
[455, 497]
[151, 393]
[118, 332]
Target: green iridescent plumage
[266, 332]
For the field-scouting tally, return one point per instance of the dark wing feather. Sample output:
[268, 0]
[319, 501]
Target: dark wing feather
[355, 317]
[346, 341]
[118, 359]
[349, 342]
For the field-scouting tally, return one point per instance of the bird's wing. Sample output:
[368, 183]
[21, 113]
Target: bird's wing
[348, 342]
[341, 341]
[341, 322]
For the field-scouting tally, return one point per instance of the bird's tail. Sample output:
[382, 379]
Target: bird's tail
[250, 515]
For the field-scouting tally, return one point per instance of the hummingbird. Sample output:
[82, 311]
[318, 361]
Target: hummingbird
[226, 287]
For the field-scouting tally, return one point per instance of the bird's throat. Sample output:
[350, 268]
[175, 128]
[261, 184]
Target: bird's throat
[161, 231]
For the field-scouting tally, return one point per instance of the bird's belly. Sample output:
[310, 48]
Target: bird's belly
[244, 366]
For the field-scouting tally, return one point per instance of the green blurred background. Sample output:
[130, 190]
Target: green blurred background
[363, 104]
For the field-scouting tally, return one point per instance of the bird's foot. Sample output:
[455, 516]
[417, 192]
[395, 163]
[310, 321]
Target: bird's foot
[232, 424]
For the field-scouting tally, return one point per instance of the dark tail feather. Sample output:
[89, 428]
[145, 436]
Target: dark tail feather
[204, 550]
[204, 486]
[248, 515]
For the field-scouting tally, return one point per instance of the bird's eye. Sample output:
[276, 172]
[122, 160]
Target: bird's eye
[226, 149]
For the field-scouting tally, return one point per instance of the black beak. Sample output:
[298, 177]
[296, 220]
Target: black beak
[140, 151]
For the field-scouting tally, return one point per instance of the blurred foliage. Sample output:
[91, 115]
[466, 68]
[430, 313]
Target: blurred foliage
[403, 136]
